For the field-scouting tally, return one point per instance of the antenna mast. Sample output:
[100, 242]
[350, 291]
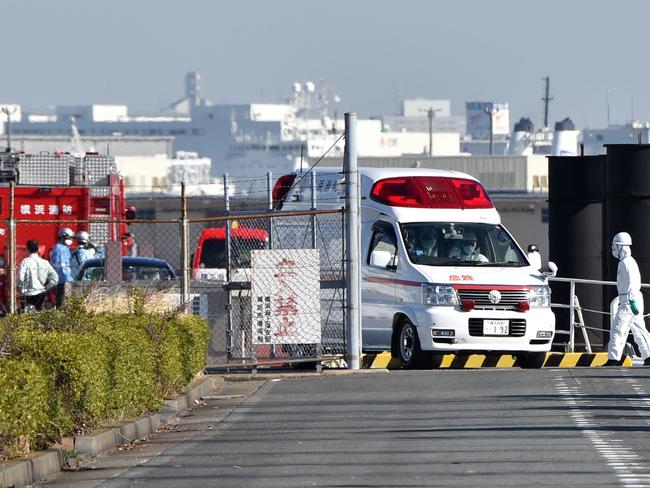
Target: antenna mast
[546, 99]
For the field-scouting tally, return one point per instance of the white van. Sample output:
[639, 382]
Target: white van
[440, 274]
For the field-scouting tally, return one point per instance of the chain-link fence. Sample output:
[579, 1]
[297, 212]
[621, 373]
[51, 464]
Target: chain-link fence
[270, 283]
[267, 300]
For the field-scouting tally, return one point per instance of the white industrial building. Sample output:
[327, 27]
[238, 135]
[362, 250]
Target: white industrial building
[629, 133]
[415, 114]
[243, 139]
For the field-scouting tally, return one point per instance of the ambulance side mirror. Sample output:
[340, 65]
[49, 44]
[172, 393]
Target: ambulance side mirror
[551, 269]
[380, 259]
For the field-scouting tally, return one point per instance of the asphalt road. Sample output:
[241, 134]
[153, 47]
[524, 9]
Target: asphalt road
[550, 427]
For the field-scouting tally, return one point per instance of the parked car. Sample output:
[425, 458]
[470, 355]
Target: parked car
[133, 269]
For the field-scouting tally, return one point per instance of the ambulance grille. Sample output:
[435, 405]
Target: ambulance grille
[509, 298]
[517, 327]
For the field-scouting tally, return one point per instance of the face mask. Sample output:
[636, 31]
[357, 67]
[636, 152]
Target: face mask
[68, 242]
[615, 250]
[469, 248]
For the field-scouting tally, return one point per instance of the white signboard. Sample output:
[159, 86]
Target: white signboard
[285, 296]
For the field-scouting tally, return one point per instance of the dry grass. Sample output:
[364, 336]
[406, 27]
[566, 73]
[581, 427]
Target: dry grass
[126, 299]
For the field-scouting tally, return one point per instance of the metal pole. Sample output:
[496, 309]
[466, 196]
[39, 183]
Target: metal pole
[572, 316]
[490, 113]
[226, 204]
[229, 332]
[352, 251]
[269, 201]
[581, 321]
[430, 114]
[491, 132]
[313, 207]
[185, 260]
[12, 250]
[8, 113]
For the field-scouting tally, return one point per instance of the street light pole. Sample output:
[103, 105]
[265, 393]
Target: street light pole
[491, 112]
[431, 113]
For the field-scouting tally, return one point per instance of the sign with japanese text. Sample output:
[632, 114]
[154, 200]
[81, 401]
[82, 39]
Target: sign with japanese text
[285, 296]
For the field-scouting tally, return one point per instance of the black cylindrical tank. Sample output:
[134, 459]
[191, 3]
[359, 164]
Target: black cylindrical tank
[627, 208]
[576, 199]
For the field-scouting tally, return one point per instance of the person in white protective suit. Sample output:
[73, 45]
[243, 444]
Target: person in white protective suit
[469, 250]
[629, 314]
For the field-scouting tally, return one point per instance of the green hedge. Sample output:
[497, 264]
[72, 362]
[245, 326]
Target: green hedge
[65, 371]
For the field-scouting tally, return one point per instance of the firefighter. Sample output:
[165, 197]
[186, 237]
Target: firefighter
[60, 259]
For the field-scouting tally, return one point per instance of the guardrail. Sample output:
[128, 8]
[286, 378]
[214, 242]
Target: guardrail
[576, 309]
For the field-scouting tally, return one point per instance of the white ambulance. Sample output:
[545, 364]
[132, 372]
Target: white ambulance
[440, 274]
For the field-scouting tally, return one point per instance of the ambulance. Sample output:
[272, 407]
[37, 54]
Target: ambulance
[439, 272]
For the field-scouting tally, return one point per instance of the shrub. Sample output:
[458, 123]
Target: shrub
[130, 365]
[78, 363]
[30, 411]
[69, 369]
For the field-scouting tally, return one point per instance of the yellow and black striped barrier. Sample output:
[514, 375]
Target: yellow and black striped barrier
[472, 361]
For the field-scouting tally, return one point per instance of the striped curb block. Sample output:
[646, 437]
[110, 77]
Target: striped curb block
[472, 361]
[42, 465]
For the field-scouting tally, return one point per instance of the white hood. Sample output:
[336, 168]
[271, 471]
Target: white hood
[481, 275]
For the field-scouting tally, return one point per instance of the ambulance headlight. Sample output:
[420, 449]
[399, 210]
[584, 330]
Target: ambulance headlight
[443, 295]
[540, 296]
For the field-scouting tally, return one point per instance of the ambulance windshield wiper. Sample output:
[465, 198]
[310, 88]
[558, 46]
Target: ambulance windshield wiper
[501, 264]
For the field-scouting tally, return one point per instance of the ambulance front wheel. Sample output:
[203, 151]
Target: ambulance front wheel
[409, 352]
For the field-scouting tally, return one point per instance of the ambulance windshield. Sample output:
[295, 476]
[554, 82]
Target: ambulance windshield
[472, 244]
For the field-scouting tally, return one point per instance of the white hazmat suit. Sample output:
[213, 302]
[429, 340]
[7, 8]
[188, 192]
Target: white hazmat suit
[628, 284]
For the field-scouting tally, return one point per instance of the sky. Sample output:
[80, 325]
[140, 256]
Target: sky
[372, 52]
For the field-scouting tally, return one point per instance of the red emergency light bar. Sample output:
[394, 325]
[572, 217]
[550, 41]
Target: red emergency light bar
[431, 192]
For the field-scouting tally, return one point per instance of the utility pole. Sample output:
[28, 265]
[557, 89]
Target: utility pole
[546, 98]
[431, 113]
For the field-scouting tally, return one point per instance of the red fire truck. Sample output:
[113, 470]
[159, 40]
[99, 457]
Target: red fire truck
[52, 191]
[209, 259]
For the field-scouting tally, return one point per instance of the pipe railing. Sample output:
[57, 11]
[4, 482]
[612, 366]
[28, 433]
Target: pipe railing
[576, 309]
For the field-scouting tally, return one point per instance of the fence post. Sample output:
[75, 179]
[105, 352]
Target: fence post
[229, 332]
[269, 198]
[583, 326]
[12, 250]
[353, 274]
[185, 261]
[313, 207]
[572, 316]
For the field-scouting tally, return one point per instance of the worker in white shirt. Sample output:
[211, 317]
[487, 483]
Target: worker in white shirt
[35, 278]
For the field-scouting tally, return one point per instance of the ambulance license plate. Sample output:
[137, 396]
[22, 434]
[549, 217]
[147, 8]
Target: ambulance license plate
[496, 327]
